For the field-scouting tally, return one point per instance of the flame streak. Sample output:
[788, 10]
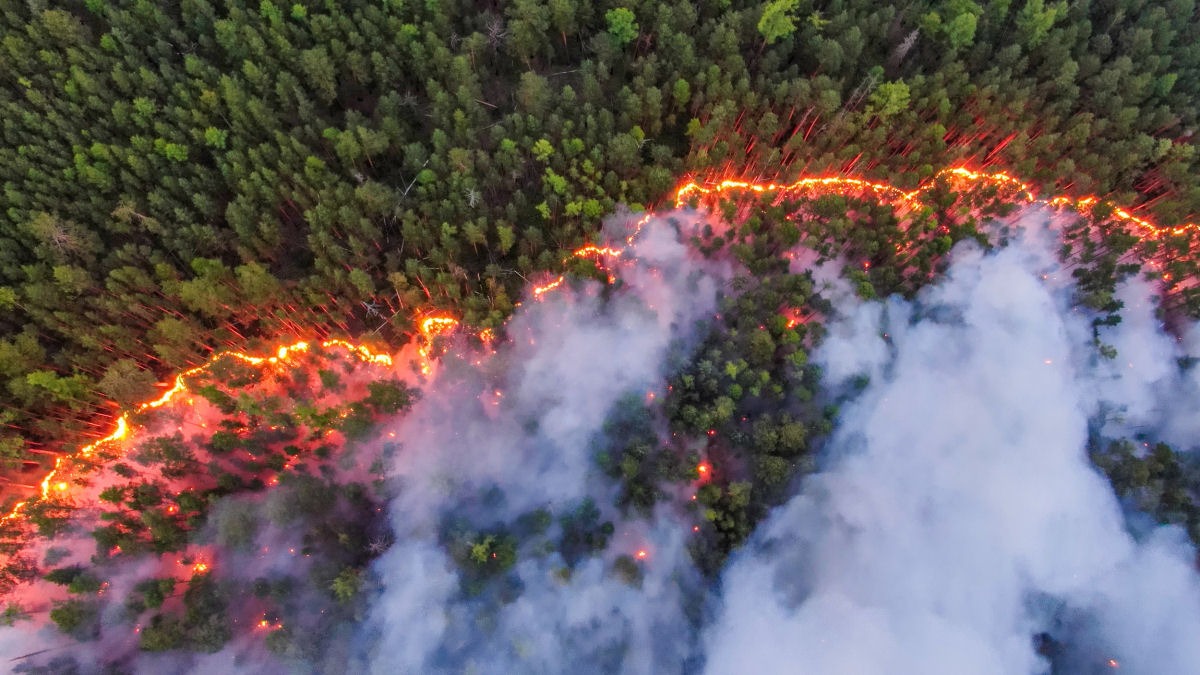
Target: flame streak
[819, 185]
[538, 291]
[430, 327]
[588, 251]
[121, 430]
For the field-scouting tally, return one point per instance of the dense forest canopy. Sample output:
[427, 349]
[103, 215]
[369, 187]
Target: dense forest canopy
[183, 176]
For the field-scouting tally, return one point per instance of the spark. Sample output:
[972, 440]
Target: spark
[642, 554]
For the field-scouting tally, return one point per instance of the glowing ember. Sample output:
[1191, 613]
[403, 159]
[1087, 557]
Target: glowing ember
[642, 554]
[1113, 663]
[703, 468]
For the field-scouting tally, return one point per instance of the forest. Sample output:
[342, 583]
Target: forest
[184, 177]
[186, 182]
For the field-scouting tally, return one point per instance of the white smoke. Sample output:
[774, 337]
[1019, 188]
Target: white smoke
[958, 514]
[525, 426]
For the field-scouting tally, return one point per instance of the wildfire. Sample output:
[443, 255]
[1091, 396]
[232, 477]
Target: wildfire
[50, 486]
[588, 251]
[539, 291]
[889, 193]
[433, 326]
[430, 327]
[593, 250]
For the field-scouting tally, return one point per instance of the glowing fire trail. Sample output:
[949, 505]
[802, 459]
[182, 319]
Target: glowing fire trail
[820, 185]
[121, 430]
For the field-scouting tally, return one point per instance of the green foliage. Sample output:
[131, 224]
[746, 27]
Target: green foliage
[155, 591]
[63, 576]
[77, 618]
[388, 397]
[1035, 19]
[346, 585]
[330, 380]
[542, 150]
[955, 20]
[162, 634]
[216, 138]
[889, 98]
[583, 532]
[778, 20]
[622, 25]
[13, 613]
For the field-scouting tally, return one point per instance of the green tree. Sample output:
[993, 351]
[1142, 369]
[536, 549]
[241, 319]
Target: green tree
[77, 618]
[127, 383]
[778, 20]
[888, 99]
[1035, 20]
[622, 25]
[345, 586]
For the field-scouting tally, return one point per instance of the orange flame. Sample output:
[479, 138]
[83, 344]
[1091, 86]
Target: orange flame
[430, 327]
[890, 193]
[538, 291]
[593, 250]
[49, 485]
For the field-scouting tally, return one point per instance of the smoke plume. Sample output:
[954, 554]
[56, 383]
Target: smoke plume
[957, 514]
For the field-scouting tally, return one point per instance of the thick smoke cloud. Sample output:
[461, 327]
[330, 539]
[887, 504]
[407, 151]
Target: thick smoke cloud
[957, 514]
[522, 429]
